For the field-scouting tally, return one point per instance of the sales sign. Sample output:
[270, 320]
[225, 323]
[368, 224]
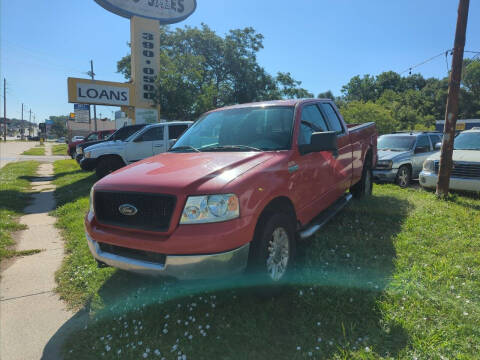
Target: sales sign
[165, 11]
[84, 91]
[82, 113]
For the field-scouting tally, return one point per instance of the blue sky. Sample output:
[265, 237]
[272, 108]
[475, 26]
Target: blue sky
[322, 43]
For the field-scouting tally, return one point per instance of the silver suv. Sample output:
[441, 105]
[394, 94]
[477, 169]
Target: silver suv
[401, 155]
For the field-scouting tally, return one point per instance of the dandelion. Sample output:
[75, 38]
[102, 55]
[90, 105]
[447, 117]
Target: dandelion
[367, 349]
[299, 348]
[107, 348]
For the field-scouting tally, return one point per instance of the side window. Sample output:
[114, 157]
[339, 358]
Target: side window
[435, 139]
[174, 131]
[153, 134]
[312, 121]
[423, 142]
[332, 117]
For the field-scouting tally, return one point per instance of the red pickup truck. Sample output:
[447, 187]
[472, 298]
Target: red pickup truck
[236, 191]
[98, 135]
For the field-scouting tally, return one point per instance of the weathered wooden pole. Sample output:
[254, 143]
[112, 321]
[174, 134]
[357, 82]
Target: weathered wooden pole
[451, 112]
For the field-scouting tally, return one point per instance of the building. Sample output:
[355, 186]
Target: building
[466, 124]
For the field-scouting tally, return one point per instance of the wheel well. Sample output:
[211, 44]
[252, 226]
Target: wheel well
[407, 165]
[369, 157]
[281, 204]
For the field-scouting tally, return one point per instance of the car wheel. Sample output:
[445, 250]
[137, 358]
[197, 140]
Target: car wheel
[273, 248]
[404, 176]
[108, 165]
[365, 186]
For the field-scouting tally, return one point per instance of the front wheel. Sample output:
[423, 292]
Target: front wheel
[404, 176]
[273, 248]
[108, 165]
[365, 186]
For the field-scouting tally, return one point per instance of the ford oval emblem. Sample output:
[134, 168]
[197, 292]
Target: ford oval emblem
[127, 210]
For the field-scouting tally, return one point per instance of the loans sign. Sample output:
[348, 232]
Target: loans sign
[84, 91]
[166, 11]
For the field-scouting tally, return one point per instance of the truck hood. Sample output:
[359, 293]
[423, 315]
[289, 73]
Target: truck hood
[184, 173]
[390, 155]
[104, 144]
[461, 155]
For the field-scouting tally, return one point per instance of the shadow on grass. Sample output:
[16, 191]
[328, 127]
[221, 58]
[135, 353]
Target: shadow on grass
[328, 305]
[75, 190]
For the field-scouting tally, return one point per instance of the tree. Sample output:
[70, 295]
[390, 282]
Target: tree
[326, 95]
[201, 70]
[59, 127]
[358, 112]
[360, 89]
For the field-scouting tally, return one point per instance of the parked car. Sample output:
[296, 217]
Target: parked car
[401, 156]
[98, 135]
[153, 139]
[233, 192]
[61, 140]
[466, 164]
[119, 135]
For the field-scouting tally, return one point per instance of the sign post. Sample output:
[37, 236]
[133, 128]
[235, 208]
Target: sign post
[137, 99]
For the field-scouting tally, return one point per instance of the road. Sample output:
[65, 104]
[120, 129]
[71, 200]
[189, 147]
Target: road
[10, 152]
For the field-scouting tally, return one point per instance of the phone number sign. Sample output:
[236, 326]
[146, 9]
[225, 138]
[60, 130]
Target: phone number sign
[165, 11]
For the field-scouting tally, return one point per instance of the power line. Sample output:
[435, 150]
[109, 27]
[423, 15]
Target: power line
[424, 62]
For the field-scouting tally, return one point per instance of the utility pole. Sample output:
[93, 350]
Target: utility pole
[92, 74]
[4, 109]
[451, 112]
[22, 123]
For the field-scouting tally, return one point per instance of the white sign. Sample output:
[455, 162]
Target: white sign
[82, 113]
[102, 94]
[166, 11]
[146, 116]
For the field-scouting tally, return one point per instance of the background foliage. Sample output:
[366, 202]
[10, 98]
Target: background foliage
[201, 70]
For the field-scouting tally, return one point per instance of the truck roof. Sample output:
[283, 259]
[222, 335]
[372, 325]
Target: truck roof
[288, 102]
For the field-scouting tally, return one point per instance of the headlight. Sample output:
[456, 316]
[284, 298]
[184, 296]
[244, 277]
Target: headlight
[211, 208]
[384, 164]
[429, 165]
[88, 154]
[92, 205]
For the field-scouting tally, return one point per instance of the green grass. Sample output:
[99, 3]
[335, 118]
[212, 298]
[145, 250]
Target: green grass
[59, 149]
[38, 150]
[14, 197]
[394, 276]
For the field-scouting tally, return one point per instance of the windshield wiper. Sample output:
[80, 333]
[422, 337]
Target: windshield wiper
[181, 148]
[229, 148]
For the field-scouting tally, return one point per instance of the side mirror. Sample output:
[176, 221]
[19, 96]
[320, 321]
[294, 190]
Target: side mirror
[320, 141]
[438, 146]
[421, 149]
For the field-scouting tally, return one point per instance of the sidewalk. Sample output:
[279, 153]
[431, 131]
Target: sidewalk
[30, 311]
[11, 151]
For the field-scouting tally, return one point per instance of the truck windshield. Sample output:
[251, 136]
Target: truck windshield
[467, 141]
[244, 129]
[395, 143]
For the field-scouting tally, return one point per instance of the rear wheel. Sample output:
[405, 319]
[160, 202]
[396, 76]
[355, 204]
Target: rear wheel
[365, 186]
[273, 248]
[404, 176]
[108, 165]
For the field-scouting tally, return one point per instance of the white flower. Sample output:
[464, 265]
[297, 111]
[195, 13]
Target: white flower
[147, 350]
[319, 339]
[165, 331]
[140, 342]
[119, 351]
[310, 353]
[319, 323]
[300, 293]
[207, 327]
[190, 337]
[157, 352]
[107, 347]
[299, 348]
[367, 349]
[145, 355]
[348, 255]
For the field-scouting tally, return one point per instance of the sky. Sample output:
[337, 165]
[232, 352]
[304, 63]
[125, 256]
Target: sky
[321, 43]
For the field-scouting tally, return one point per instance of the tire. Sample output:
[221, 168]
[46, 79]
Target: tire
[404, 176]
[272, 250]
[73, 155]
[365, 185]
[108, 165]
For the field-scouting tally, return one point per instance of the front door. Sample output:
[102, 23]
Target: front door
[313, 172]
[423, 149]
[142, 146]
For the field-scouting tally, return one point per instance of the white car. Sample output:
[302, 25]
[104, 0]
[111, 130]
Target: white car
[466, 164]
[151, 140]
[77, 138]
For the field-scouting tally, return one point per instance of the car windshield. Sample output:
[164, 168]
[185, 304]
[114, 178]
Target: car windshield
[396, 143]
[467, 141]
[244, 129]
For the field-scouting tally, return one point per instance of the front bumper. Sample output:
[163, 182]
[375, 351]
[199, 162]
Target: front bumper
[385, 175]
[429, 180]
[88, 164]
[182, 267]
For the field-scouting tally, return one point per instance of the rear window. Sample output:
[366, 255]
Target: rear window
[174, 131]
[396, 143]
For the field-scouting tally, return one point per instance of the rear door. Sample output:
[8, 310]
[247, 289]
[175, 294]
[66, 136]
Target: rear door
[343, 163]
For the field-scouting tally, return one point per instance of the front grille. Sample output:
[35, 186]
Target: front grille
[463, 170]
[133, 254]
[154, 210]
